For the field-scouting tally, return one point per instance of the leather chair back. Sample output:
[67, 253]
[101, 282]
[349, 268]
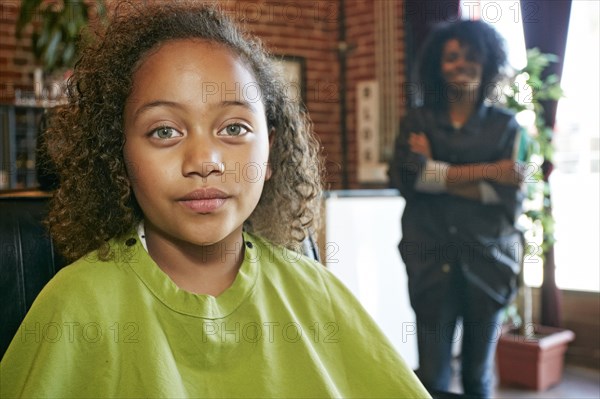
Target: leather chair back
[27, 259]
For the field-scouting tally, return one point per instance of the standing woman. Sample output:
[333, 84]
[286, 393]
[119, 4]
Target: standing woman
[455, 164]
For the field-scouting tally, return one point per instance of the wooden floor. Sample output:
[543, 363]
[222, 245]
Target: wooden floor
[577, 383]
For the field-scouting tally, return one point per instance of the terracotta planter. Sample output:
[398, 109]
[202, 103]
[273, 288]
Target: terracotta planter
[534, 361]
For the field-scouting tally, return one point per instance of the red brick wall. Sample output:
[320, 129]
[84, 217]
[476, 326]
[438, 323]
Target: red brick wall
[16, 59]
[360, 33]
[302, 28]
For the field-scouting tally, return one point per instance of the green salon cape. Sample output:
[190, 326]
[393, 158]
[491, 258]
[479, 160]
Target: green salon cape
[286, 328]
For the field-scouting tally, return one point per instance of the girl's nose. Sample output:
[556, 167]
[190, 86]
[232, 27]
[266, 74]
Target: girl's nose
[202, 156]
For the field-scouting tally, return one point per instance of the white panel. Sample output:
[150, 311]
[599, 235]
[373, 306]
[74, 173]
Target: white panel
[362, 235]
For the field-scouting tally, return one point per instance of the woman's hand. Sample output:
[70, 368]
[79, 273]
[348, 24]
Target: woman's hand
[419, 143]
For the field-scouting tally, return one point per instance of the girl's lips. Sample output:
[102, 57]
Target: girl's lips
[206, 205]
[204, 193]
[204, 200]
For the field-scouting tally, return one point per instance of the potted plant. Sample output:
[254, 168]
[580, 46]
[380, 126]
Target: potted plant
[531, 355]
[57, 29]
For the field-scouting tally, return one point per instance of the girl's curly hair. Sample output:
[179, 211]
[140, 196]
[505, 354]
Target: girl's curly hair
[94, 201]
[484, 43]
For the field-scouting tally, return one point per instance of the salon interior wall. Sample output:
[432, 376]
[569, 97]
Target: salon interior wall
[310, 29]
[306, 28]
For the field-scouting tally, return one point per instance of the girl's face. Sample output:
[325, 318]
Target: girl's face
[197, 143]
[459, 67]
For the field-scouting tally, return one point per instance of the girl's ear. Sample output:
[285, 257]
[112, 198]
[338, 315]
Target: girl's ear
[271, 138]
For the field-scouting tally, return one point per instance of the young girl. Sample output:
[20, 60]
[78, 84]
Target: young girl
[186, 178]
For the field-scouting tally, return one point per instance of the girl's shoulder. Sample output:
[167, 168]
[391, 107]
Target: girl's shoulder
[274, 256]
[89, 280]
[297, 273]
[90, 268]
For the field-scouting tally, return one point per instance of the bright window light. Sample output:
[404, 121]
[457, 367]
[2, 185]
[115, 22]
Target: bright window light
[575, 183]
[505, 17]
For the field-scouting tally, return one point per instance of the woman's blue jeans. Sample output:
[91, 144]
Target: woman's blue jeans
[478, 333]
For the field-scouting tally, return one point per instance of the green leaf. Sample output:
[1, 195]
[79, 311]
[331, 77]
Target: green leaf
[29, 8]
[68, 17]
[51, 53]
[68, 54]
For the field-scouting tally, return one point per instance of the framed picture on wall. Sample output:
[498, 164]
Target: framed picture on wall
[293, 69]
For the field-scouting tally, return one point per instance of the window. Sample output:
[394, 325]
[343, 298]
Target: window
[575, 182]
